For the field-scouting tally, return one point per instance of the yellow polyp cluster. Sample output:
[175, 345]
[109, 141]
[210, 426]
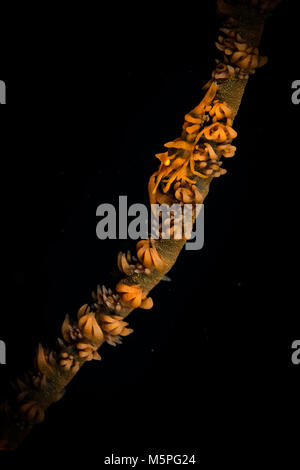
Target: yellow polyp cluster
[89, 326]
[238, 52]
[239, 61]
[221, 110]
[114, 327]
[87, 352]
[149, 256]
[133, 296]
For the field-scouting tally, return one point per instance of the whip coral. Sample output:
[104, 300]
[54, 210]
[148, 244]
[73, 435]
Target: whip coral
[185, 173]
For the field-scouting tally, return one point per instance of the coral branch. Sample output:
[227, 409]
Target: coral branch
[186, 171]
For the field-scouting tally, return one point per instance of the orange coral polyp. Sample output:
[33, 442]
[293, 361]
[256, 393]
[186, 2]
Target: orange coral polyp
[147, 304]
[132, 295]
[219, 132]
[87, 352]
[90, 328]
[148, 255]
[220, 111]
[188, 194]
[227, 150]
[114, 325]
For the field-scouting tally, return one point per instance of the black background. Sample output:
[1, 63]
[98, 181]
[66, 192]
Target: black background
[87, 109]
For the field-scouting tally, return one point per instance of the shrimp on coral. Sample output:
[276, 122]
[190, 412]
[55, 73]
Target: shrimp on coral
[177, 162]
[210, 121]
